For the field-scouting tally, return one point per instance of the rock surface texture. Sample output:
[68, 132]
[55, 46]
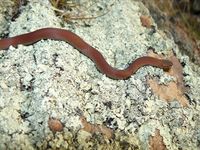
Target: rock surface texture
[53, 97]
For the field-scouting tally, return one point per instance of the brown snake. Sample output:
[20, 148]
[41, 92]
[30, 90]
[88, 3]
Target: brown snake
[86, 49]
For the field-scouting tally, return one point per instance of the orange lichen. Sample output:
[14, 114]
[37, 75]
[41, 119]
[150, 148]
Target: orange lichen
[168, 92]
[156, 142]
[175, 89]
[146, 21]
[95, 128]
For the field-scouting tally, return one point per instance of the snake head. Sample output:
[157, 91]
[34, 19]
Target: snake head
[166, 64]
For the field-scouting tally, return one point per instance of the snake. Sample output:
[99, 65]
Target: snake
[86, 49]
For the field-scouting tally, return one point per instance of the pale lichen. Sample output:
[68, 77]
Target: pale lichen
[52, 79]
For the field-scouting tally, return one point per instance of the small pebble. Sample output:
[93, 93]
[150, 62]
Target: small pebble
[55, 125]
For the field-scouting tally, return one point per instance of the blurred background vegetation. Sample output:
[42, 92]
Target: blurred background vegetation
[186, 12]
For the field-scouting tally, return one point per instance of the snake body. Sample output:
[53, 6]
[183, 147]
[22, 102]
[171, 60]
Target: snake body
[86, 49]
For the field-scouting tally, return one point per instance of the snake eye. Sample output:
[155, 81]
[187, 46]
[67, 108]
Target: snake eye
[166, 64]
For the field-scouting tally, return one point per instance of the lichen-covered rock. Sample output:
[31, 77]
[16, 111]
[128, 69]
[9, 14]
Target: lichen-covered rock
[51, 79]
[6, 12]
